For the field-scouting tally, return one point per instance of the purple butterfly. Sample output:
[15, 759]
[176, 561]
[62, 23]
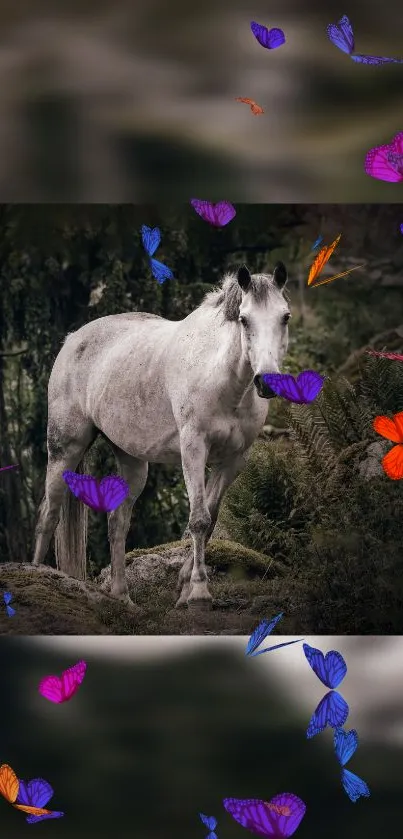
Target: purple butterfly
[218, 214]
[401, 228]
[261, 632]
[302, 389]
[5, 468]
[342, 36]
[277, 818]
[332, 710]
[386, 162]
[37, 793]
[330, 668]
[102, 496]
[270, 39]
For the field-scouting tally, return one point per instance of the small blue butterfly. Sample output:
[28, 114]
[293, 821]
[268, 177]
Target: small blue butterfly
[261, 632]
[332, 710]
[316, 244]
[345, 744]
[7, 597]
[151, 238]
[211, 823]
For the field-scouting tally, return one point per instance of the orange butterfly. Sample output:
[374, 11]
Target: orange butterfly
[9, 786]
[255, 108]
[392, 429]
[320, 261]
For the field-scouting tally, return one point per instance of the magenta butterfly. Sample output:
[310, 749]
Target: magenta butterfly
[301, 389]
[102, 496]
[6, 468]
[342, 36]
[386, 162]
[218, 215]
[277, 818]
[61, 689]
[268, 38]
[393, 356]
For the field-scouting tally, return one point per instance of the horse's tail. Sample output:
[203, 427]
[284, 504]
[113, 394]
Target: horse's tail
[71, 534]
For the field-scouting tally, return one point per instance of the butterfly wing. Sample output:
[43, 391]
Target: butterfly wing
[265, 818]
[113, 491]
[336, 276]
[6, 468]
[72, 678]
[332, 710]
[375, 59]
[49, 814]
[209, 821]
[392, 429]
[35, 793]
[84, 487]
[50, 687]
[393, 356]
[205, 209]
[256, 109]
[268, 38]
[377, 165]
[9, 783]
[244, 100]
[321, 259]
[7, 596]
[330, 669]
[345, 744]
[151, 238]
[10, 611]
[354, 786]
[283, 384]
[317, 243]
[342, 35]
[261, 632]
[160, 271]
[310, 385]
[277, 647]
[392, 463]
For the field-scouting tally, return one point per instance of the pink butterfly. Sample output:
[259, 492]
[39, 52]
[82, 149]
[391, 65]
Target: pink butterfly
[61, 689]
[393, 356]
[386, 162]
[218, 214]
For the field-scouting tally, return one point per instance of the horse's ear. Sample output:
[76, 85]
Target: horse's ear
[244, 277]
[280, 275]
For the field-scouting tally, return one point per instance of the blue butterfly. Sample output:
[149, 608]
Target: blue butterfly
[211, 823]
[151, 238]
[341, 34]
[261, 632]
[332, 710]
[7, 597]
[345, 744]
[330, 669]
[317, 242]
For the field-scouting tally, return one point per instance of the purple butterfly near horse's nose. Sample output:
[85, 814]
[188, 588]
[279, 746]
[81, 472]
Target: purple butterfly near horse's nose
[301, 389]
[270, 39]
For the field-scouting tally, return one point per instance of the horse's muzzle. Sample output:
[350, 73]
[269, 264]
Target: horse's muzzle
[264, 391]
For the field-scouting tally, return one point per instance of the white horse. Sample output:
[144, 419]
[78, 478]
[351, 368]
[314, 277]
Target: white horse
[159, 391]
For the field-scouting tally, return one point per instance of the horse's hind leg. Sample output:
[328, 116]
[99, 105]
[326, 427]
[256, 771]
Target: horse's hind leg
[193, 451]
[134, 472]
[59, 459]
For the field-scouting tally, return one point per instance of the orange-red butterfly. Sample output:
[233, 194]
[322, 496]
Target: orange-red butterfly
[320, 261]
[9, 789]
[392, 429]
[255, 108]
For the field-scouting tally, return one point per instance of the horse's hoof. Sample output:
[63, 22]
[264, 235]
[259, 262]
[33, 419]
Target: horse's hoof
[126, 600]
[181, 603]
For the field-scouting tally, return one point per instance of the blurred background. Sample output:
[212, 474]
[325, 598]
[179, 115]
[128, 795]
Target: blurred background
[102, 101]
[312, 466]
[158, 732]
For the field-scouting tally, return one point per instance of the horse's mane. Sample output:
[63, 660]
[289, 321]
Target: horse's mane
[228, 295]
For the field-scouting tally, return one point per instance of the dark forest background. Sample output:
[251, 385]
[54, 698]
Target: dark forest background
[61, 266]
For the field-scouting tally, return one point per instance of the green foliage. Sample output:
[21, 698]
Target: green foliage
[308, 505]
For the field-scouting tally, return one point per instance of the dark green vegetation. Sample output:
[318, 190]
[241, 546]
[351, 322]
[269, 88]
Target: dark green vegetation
[305, 501]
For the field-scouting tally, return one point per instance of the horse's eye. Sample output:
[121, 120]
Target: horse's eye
[286, 317]
[243, 320]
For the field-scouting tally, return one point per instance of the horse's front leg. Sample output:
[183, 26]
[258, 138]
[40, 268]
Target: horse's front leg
[194, 574]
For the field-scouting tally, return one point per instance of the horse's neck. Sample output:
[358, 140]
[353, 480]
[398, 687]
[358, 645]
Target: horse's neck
[232, 368]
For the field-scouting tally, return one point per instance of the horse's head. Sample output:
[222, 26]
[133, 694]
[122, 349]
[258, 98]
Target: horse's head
[264, 314]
